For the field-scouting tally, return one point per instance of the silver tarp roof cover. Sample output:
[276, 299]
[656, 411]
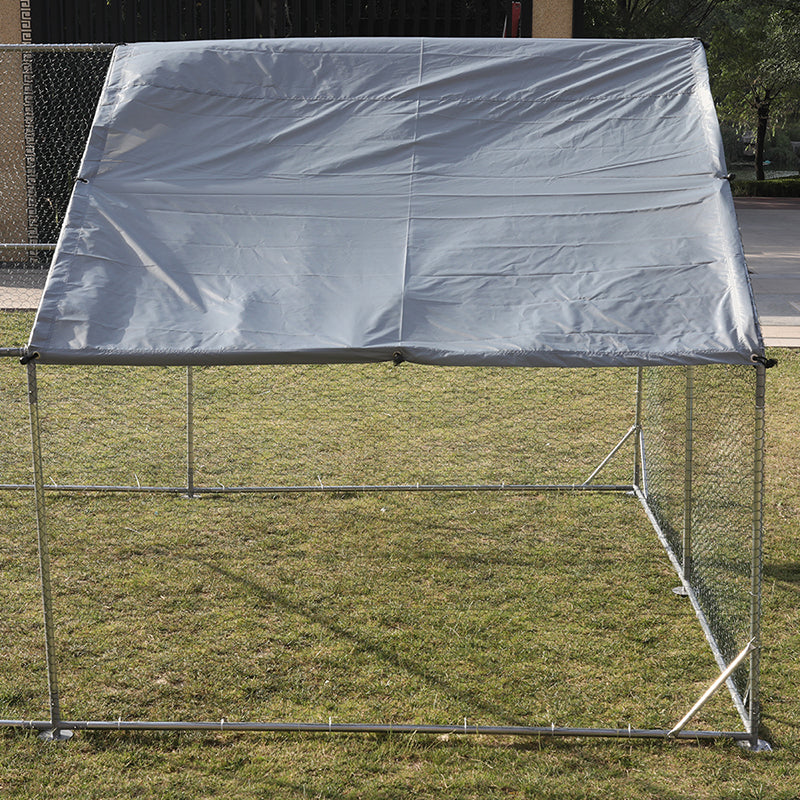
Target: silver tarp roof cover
[454, 201]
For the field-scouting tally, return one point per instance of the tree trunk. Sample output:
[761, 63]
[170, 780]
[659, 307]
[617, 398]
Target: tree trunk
[761, 135]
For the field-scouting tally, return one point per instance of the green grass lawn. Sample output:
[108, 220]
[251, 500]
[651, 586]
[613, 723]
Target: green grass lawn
[535, 609]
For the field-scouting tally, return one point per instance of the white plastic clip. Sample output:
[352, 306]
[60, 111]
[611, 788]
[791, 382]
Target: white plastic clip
[465, 724]
[330, 724]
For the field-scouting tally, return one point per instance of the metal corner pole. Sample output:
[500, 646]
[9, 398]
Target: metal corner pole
[757, 550]
[55, 732]
[637, 455]
[189, 433]
[687, 476]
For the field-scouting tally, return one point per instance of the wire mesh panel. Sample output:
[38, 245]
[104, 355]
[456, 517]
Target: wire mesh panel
[113, 426]
[47, 102]
[23, 675]
[664, 435]
[15, 461]
[505, 609]
[351, 604]
[15, 439]
[350, 424]
[322, 426]
[722, 504]
[177, 558]
[699, 453]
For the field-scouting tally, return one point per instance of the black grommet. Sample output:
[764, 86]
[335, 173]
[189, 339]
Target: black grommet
[767, 362]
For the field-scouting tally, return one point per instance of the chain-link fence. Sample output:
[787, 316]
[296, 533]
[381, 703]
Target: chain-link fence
[214, 429]
[48, 95]
[700, 462]
[379, 427]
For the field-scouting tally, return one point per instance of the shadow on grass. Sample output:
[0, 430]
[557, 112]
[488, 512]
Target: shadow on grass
[786, 572]
[366, 645]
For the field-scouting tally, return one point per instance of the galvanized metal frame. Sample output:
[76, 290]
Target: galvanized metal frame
[56, 728]
[757, 560]
[54, 731]
[748, 706]
[687, 477]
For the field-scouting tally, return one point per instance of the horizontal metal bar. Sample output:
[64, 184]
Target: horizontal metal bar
[11, 352]
[70, 48]
[26, 246]
[345, 727]
[316, 489]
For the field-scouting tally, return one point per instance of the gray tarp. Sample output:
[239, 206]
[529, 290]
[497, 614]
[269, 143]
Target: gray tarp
[506, 202]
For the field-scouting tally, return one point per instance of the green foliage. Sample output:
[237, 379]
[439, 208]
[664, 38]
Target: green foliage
[754, 62]
[779, 155]
[777, 187]
[648, 19]
[754, 58]
[778, 151]
[734, 145]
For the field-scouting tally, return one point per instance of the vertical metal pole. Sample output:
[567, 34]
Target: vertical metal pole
[637, 455]
[56, 733]
[687, 476]
[189, 433]
[756, 562]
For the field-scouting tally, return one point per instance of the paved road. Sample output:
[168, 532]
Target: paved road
[770, 229]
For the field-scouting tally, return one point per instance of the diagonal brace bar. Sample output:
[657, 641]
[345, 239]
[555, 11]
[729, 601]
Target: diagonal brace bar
[633, 429]
[712, 690]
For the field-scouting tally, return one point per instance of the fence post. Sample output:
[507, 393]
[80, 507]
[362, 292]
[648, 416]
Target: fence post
[756, 562]
[189, 433]
[637, 446]
[56, 733]
[687, 476]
